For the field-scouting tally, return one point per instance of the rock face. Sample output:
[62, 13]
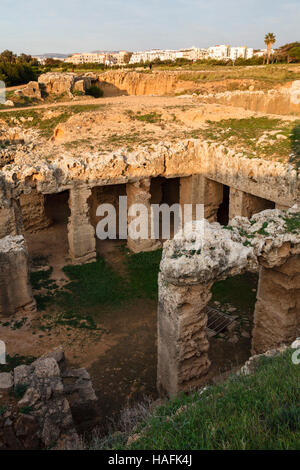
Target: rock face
[268, 180]
[15, 289]
[10, 219]
[139, 193]
[277, 310]
[204, 253]
[33, 212]
[285, 100]
[57, 83]
[182, 342]
[61, 83]
[81, 233]
[31, 90]
[48, 422]
[134, 83]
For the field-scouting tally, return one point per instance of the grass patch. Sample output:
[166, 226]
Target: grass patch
[269, 74]
[237, 291]
[95, 285]
[3, 410]
[19, 391]
[143, 271]
[26, 410]
[94, 91]
[245, 133]
[293, 223]
[34, 118]
[260, 411]
[14, 361]
[151, 118]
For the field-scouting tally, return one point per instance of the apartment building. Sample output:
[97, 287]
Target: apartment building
[87, 57]
[219, 52]
[192, 53]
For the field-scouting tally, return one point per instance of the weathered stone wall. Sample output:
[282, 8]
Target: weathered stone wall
[81, 233]
[11, 219]
[204, 253]
[182, 341]
[285, 100]
[246, 205]
[15, 289]
[105, 195]
[273, 181]
[33, 212]
[277, 310]
[139, 193]
[54, 394]
[63, 83]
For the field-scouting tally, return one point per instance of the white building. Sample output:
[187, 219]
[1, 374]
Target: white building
[262, 52]
[219, 52]
[192, 53]
[86, 57]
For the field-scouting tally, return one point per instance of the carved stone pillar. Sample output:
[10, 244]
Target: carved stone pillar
[81, 233]
[15, 289]
[277, 310]
[182, 341]
[139, 193]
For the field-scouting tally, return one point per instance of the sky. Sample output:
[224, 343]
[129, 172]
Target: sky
[67, 26]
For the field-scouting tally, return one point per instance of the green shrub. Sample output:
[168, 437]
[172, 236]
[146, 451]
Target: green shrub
[19, 391]
[16, 74]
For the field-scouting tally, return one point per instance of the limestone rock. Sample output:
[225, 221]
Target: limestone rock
[15, 289]
[31, 90]
[6, 381]
[9, 103]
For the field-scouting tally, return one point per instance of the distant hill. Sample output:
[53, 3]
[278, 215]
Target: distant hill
[105, 52]
[50, 55]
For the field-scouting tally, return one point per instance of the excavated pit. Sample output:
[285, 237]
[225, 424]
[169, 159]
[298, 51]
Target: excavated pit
[156, 153]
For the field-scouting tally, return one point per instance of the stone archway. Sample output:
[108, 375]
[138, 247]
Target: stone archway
[194, 260]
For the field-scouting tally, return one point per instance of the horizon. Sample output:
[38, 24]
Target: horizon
[68, 26]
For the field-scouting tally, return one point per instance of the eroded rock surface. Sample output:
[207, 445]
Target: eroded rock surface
[44, 418]
[205, 253]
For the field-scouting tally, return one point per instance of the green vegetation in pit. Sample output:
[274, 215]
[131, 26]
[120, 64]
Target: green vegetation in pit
[93, 286]
[239, 291]
[14, 361]
[35, 118]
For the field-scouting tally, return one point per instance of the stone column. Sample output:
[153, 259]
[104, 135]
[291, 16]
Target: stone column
[182, 341]
[277, 310]
[33, 212]
[139, 193]
[15, 289]
[81, 234]
[11, 219]
[246, 204]
[197, 189]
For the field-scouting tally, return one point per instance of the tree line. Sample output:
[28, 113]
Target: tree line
[16, 70]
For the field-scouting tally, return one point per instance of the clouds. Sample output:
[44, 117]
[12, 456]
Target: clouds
[37, 26]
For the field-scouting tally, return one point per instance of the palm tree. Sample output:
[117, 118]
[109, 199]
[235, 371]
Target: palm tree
[270, 39]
